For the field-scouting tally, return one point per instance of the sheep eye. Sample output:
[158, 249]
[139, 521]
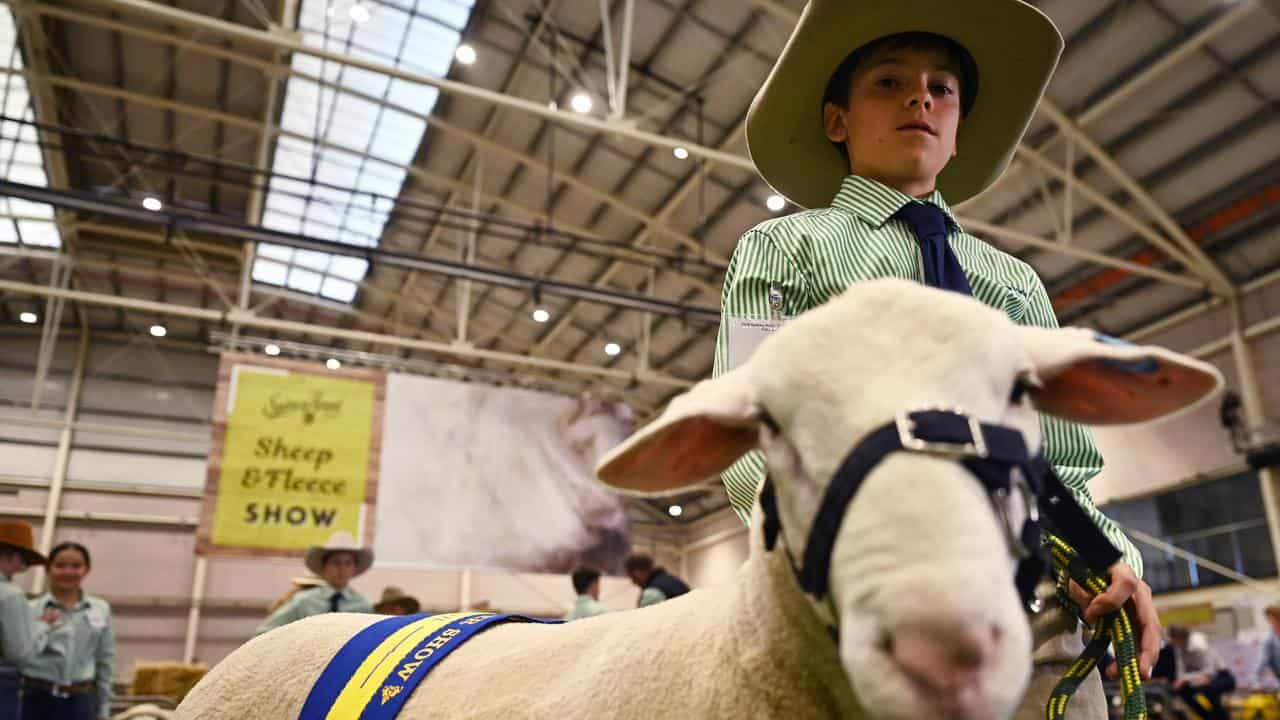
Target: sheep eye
[770, 423]
[1019, 391]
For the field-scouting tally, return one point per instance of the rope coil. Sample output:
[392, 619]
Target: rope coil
[1114, 629]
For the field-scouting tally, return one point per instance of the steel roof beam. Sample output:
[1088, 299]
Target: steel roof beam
[218, 228]
[248, 319]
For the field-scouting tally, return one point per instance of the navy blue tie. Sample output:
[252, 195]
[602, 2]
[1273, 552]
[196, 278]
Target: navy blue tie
[334, 599]
[941, 267]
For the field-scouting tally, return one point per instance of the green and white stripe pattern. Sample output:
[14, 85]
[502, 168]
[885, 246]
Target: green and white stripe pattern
[812, 256]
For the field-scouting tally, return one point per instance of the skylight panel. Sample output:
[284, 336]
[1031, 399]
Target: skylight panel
[357, 147]
[21, 222]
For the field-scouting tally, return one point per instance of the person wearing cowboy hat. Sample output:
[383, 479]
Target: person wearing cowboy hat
[876, 111]
[336, 563]
[396, 602]
[21, 634]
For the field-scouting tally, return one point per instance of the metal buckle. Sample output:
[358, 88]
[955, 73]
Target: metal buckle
[977, 447]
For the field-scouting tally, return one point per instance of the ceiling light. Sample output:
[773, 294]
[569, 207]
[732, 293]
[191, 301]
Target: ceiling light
[581, 103]
[358, 13]
[775, 202]
[28, 318]
[612, 349]
[541, 316]
[680, 153]
[158, 331]
[332, 363]
[152, 203]
[272, 350]
[465, 54]
[675, 511]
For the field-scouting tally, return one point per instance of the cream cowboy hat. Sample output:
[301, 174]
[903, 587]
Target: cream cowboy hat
[1013, 44]
[339, 541]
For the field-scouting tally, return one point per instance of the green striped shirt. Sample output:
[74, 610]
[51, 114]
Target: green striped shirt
[813, 256]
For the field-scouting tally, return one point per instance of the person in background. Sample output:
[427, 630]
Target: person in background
[20, 635]
[1200, 677]
[336, 562]
[656, 583]
[299, 583]
[586, 582]
[1271, 646]
[395, 602]
[71, 678]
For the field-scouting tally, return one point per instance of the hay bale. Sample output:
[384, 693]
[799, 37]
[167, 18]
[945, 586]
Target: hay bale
[146, 712]
[167, 679]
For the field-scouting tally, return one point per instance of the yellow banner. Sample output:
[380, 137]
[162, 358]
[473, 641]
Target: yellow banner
[295, 461]
[1187, 615]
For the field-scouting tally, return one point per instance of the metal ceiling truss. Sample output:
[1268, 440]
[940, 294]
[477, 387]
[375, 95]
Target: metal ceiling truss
[222, 228]
[1169, 237]
[277, 41]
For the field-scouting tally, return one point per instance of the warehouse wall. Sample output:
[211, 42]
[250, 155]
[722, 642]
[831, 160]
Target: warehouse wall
[144, 561]
[714, 549]
[134, 501]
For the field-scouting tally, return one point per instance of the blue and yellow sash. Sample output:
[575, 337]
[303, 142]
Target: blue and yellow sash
[373, 675]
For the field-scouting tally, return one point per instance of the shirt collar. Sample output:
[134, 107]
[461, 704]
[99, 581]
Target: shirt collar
[330, 590]
[875, 202]
[47, 599]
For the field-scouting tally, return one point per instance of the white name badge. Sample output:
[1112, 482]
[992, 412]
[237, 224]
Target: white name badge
[746, 334]
[97, 620]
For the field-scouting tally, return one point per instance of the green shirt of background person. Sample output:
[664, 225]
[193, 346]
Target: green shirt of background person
[586, 583]
[20, 635]
[890, 96]
[336, 562]
[81, 648]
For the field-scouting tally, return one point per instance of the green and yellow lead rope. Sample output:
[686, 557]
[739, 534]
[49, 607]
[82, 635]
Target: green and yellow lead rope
[1114, 629]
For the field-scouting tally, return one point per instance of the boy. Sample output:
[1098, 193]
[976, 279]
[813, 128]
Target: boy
[586, 583]
[336, 562]
[872, 112]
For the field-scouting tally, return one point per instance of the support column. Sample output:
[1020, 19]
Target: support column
[193, 615]
[1255, 416]
[60, 278]
[464, 589]
[62, 459]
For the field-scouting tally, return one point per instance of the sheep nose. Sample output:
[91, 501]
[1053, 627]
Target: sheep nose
[947, 659]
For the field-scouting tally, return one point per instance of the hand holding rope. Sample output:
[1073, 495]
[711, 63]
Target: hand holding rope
[1113, 629]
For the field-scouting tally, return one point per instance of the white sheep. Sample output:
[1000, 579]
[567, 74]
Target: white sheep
[929, 622]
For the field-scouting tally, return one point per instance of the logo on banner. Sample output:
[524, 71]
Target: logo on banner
[279, 406]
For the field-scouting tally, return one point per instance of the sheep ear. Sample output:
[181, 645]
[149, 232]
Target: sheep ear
[1091, 378]
[701, 433]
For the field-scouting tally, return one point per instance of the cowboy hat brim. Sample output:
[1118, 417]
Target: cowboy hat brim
[1015, 46]
[32, 557]
[315, 557]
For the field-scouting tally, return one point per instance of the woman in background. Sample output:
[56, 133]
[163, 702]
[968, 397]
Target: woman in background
[71, 678]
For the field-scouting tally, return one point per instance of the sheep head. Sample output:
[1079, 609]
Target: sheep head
[930, 624]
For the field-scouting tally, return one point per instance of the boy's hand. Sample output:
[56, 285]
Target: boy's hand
[1134, 595]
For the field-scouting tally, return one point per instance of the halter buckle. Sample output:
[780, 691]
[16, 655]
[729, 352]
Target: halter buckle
[976, 447]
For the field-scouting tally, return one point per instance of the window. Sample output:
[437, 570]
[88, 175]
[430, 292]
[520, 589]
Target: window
[350, 146]
[21, 222]
[1222, 520]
